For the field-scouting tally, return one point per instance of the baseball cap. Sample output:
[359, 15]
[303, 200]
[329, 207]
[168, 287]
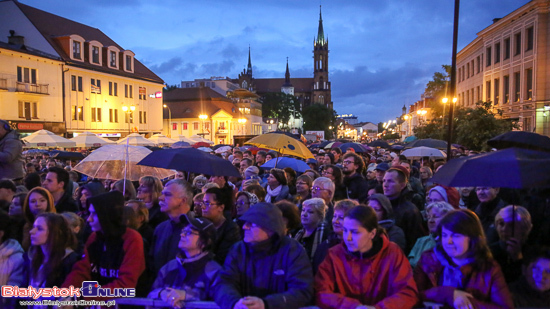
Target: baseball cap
[382, 167]
[200, 224]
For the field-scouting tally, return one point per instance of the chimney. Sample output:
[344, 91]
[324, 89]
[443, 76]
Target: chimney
[15, 39]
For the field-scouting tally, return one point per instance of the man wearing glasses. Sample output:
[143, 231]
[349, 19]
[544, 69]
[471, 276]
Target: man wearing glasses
[355, 183]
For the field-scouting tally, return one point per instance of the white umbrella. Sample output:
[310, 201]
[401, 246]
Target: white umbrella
[420, 152]
[198, 138]
[89, 139]
[135, 139]
[186, 139]
[161, 140]
[45, 138]
[223, 149]
[205, 149]
[116, 161]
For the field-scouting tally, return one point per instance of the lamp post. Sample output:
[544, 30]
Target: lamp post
[129, 112]
[243, 122]
[169, 120]
[202, 117]
[453, 79]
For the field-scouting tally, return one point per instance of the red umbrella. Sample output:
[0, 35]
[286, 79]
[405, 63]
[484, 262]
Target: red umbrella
[201, 144]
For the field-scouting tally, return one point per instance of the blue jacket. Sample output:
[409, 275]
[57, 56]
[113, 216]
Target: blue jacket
[277, 270]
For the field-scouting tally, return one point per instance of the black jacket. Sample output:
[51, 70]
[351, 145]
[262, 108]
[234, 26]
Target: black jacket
[356, 187]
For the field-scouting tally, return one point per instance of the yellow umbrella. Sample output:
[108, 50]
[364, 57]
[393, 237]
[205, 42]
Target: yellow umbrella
[283, 144]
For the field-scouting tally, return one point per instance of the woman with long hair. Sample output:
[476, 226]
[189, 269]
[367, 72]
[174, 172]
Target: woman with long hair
[149, 191]
[335, 174]
[366, 270]
[38, 200]
[460, 271]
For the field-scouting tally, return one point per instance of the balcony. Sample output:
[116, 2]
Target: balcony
[3, 84]
[31, 88]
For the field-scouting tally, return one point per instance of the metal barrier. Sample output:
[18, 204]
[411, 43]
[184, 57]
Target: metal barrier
[148, 302]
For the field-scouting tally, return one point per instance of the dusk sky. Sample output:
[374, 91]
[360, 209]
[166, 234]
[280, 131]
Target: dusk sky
[382, 52]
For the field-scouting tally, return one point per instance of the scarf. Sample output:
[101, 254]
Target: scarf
[272, 194]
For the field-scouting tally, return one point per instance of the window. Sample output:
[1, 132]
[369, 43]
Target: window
[73, 82]
[497, 52]
[459, 71]
[76, 50]
[128, 63]
[222, 125]
[125, 91]
[80, 83]
[76, 83]
[128, 89]
[77, 113]
[184, 125]
[497, 86]
[95, 54]
[473, 72]
[517, 39]
[529, 41]
[26, 75]
[478, 65]
[529, 84]
[527, 124]
[488, 90]
[115, 89]
[517, 86]
[129, 117]
[468, 70]
[195, 126]
[506, 86]
[28, 110]
[478, 94]
[112, 59]
[96, 114]
[96, 85]
[144, 117]
[488, 55]
[506, 48]
[113, 115]
[142, 93]
[174, 126]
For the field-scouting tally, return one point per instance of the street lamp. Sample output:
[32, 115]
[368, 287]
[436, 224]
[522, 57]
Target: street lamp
[129, 112]
[203, 118]
[169, 120]
[243, 122]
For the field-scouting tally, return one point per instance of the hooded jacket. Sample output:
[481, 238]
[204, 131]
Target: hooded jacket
[382, 279]
[408, 218]
[12, 269]
[395, 233]
[356, 187]
[11, 160]
[487, 286]
[276, 270]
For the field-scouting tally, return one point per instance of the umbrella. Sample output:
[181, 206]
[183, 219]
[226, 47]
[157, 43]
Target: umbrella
[295, 164]
[89, 139]
[201, 144]
[108, 162]
[520, 139]
[205, 149]
[281, 143]
[180, 144]
[420, 152]
[135, 139]
[34, 151]
[355, 146]
[161, 140]
[186, 139]
[323, 144]
[379, 143]
[397, 147]
[428, 142]
[222, 149]
[410, 139]
[67, 155]
[507, 168]
[219, 145]
[333, 145]
[190, 160]
[45, 138]
[199, 138]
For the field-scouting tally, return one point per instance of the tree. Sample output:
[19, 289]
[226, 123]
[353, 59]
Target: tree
[437, 89]
[281, 106]
[473, 127]
[170, 88]
[318, 117]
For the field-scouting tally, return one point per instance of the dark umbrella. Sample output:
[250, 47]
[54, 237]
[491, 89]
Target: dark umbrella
[355, 147]
[428, 142]
[520, 139]
[218, 146]
[323, 144]
[180, 144]
[379, 143]
[67, 155]
[397, 147]
[190, 160]
[507, 168]
[295, 164]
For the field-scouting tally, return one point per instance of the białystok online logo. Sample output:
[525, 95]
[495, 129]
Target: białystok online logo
[88, 289]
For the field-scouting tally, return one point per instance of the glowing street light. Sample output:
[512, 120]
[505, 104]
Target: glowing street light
[129, 112]
[203, 118]
[169, 120]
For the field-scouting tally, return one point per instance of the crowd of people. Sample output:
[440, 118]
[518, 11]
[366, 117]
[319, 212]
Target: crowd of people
[353, 231]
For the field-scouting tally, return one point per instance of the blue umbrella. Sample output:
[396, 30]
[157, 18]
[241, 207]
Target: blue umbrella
[410, 139]
[295, 164]
[190, 160]
[323, 144]
[397, 147]
[520, 139]
[355, 147]
[507, 168]
[428, 142]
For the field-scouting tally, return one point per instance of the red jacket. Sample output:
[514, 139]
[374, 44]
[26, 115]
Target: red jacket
[384, 280]
[488, 287]
[133, 264]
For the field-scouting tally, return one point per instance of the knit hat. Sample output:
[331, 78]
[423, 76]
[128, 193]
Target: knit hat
[385, 203]
[267, 216]
[252, 198]
[402, 170]
[449, 194]
[251, 171]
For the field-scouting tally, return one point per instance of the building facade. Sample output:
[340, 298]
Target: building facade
[70, 78]
[507, 64]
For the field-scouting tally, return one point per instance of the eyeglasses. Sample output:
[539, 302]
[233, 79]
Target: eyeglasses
[325, 172]
[315, 189]
[241, 203]
[348, 162]
[207, 204]
[187, 232]
[301, 183]
[250, 225]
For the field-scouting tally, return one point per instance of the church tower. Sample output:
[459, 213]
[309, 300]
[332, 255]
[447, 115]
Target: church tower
[321, 93]
[287, 86]
[245, 79]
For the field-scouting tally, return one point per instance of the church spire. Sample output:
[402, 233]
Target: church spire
[249, 68]
[287, 76]
[320, 33]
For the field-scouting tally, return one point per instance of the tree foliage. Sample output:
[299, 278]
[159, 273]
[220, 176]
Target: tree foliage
[438, 89]
[318, 117]
[472, 127]
[281, 106]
